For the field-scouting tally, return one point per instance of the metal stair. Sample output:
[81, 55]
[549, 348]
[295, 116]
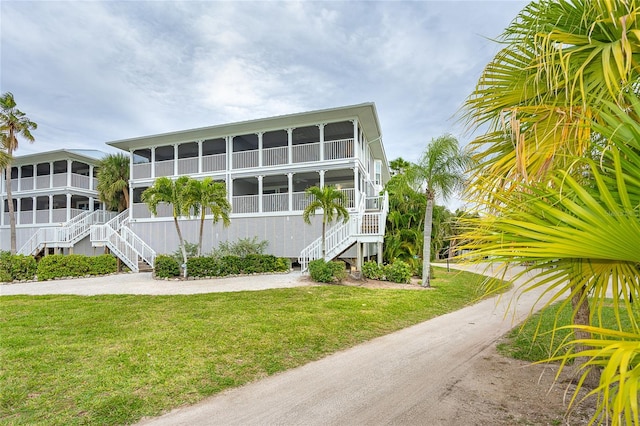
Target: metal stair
[365, 225]
[124, 243]
[66, 235]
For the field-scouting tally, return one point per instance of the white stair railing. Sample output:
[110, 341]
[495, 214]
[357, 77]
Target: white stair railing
[65, 235]
[123, 242]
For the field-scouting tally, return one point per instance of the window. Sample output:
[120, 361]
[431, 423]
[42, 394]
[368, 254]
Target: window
[377, 165]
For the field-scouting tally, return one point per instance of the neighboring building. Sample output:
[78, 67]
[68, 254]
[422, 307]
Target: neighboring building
[267, 164]
[50, 190]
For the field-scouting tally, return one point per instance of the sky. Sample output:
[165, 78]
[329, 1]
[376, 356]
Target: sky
[90, 72]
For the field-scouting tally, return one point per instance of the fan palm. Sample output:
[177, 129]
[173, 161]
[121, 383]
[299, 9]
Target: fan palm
[174, 193]
[208, 196]
[440, 171]
[13, 123]
[331, 201]
[113, 181]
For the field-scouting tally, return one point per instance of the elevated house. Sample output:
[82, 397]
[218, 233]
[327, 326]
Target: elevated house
[266, 165]
[55, 202]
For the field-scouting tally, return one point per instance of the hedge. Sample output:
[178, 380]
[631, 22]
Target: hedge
[16, 267]
[75, 265]
[327, 272]
[397, 272]
[207, 266]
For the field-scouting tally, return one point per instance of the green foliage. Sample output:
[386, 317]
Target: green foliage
[113, 181]
[233, 265]
[166, 267]
[191, 250]
[74, 265]
[241, 248]
[327, 272]
[372, 270]
[398, 272]
[16, 267]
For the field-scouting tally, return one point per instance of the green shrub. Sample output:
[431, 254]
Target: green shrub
[231, 265]
[398, 272]
[166, 267]
[241, 248]
[190, 248]
[203, 267]
[372, 270]
[282, 264]
[103, 264]
[327, 272]
[16, 267]
[60, 266]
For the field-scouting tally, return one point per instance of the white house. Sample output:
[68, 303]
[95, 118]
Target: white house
[53, 195]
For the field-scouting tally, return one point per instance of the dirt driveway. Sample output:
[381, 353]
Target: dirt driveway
[441, 372]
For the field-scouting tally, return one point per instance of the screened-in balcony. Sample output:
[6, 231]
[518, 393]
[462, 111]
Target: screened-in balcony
[53, 175]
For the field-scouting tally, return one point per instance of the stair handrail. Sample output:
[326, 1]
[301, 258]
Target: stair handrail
[143, 249]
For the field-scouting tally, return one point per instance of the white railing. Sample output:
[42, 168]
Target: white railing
[123, 242]
[214, 163]
[275, 156]
[342, 235]
[164, 168]
[275, 202]
[43, 182]
[245, 203]
[26, 183]
[245, 159]
[300, 201]
[305, 152]
[342, 148]
[188, 166]
[81, 181]
[66, 235]
[141, 171]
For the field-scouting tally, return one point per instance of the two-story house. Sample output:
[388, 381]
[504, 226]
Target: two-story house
[53, 193]
[266, 165]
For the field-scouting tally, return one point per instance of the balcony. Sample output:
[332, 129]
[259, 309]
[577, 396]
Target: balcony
[55, 181]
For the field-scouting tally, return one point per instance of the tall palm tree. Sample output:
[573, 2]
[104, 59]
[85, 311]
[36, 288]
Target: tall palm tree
[174, 193]
[332, 202]
[113, 181]
[13, 123]
[205, 196]
[440, 171]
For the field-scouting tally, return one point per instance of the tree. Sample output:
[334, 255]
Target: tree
[113, 181]
[174, 193]
[205, 196]
[441, 171]
[13, 123]
[555, 98]
[331, 201]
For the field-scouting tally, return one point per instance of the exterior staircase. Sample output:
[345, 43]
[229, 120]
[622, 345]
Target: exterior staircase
[367, 225]
[124, 243]
[66, 235]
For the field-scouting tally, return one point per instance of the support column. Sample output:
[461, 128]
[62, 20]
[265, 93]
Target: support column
[18, 209]
[34, 205]
[290, 145]
[91, 186]
[356, 143]
[50, 174]
[131, 177]
[68, 175]
[50, 208]
[175, 160]
[356, 188]
[359, 256]
[230, 152]
[379, 256]
[321, 172]
[91, 204]
[230, 191]
[290, 183]
[153, 162]
[321, 128]
[2, 208]
[260, 161]
[68, 207]
[260, 193]
[200, 156]
[19, 177]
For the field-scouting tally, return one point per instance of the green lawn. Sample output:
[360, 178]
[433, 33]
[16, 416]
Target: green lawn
[113, 359]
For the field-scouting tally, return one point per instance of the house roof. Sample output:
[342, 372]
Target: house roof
[87, 155]
[365, 113]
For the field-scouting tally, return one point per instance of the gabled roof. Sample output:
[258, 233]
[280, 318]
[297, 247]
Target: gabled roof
[91, 156]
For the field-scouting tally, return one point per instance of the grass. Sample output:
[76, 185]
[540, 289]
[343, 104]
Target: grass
[114, 359]
[527, 344]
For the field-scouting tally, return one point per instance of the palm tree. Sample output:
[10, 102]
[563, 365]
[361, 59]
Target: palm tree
[542, 196]
[13, 123]
[331, 201]
[441, 171]
[175, 193]
[113, 181]
[208, 195]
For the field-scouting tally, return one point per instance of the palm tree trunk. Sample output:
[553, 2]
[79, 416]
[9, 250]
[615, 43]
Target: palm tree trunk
[201, 232]
[580, 305]
[426, 244]
[126, 198]
[324, 236]
[184, 252]
[12, 213]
